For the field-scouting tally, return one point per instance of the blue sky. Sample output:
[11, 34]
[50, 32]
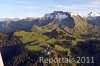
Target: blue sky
[37, 8]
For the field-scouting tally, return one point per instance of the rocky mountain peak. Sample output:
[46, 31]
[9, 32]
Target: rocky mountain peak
[94, 18]
[93, 14]
[57, 14]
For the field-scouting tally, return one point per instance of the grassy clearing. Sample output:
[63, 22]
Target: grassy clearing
[34, 48]
[31, 36]
[60, 48]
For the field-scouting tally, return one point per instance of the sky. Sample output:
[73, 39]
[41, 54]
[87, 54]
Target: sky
[37, 8]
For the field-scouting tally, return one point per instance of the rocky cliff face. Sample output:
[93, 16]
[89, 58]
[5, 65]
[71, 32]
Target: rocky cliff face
[70, 23]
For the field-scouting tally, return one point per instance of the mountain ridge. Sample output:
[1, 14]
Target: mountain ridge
[65, 20]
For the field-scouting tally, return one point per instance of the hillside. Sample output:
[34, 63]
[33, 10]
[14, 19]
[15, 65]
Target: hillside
[55, 35]
[64, 20]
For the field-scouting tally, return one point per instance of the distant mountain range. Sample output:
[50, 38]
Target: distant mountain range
[68, 21]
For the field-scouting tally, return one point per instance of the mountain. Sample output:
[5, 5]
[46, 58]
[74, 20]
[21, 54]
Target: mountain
[55, 35]
[67, 21]
[94, 18]
[15, 19]
[5, 19]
